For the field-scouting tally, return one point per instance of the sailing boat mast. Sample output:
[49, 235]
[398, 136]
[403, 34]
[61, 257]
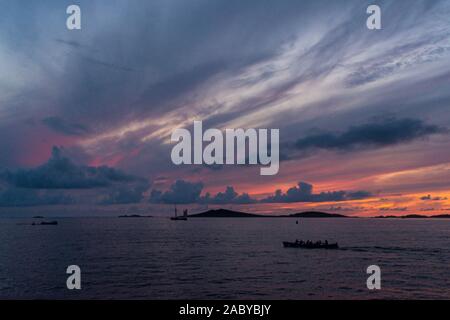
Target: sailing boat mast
[176, 217]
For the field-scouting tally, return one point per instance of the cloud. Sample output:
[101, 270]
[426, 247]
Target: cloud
[400, 57]
[394, 209]
[62, 126]
[303, 192]
[60, 181]
[181, 192]
[349, 209]
[126, 194]
[386, 132]
[229, 196]
[61, 173]
[71, 43]
[430, 198]
[185, 192]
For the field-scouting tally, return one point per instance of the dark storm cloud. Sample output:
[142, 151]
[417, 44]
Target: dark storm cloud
[62, 126]
[358, 195]
[184, 192]
[229, 196]
[371, 135]
[304, 193]
[430, 198]
[181, 192]
[127, 194]
[61, 173]
[59, 181]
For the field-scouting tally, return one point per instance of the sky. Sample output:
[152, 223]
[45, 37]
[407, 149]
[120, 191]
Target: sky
[86, 115]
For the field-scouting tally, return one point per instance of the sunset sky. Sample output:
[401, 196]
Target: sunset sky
[86, 115]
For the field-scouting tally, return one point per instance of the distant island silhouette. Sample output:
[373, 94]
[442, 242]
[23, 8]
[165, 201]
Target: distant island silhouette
[134, 216]
[441, 216]
[224, 213]
[315, 214]
[415, 216]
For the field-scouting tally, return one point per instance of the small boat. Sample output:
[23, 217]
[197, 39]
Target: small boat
[45, 223]
[311, 245]
[184, 217]
[178, 218]
[49, 223]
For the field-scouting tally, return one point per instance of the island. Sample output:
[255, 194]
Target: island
[441, 216]
[134, 216]
[415, 216]
[315, 214]
[224, 213]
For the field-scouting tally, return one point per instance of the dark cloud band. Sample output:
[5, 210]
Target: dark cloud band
[378, 134]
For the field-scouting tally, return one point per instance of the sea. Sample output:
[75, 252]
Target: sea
[224, 258]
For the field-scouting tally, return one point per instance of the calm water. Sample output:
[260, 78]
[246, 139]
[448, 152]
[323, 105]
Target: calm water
[156, 258]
